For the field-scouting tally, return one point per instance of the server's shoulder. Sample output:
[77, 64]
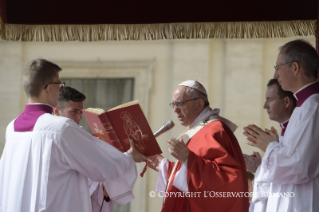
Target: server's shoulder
[50, 122]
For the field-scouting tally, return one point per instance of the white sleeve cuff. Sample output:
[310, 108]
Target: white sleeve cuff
[162, 176]
[180, 180]
[120, 190]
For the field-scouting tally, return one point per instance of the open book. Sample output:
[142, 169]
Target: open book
[117, 125]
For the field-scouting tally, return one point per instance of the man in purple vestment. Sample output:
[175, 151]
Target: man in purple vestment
[288, 177]
[279, 105]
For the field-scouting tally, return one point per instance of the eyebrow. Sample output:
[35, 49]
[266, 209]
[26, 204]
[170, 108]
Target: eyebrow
[76, 110]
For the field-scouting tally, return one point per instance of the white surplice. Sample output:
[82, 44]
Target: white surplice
[48, 169]
[97, 198]
[291, 166]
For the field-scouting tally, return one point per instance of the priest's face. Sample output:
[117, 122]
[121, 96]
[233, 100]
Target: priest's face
[285, 73]
[275, 106]
[187, 111]
[71, 110]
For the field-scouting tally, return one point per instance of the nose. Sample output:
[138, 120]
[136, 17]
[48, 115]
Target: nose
[265, 105]
[79, 117]
[176, 109]
[276, 75]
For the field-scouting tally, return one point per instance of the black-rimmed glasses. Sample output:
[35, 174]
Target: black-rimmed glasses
[180, 104]
[61, 84]
[276, 67]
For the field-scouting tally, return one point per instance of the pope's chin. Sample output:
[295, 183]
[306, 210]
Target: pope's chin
[182, 121]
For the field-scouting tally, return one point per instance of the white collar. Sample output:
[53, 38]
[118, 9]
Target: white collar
[207, 112]
[39, 104]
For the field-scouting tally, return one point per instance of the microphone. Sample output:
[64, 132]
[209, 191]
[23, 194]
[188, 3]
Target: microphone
[166, 127]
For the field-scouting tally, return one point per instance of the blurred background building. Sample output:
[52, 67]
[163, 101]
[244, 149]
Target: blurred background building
[234, 71]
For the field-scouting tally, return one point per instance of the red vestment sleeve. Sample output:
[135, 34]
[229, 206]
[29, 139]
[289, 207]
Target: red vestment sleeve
[215, 170]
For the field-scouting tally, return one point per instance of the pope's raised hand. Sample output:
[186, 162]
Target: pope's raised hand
[178, 149]
[137, 156]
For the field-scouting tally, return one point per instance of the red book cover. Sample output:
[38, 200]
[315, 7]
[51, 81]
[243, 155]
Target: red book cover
[102, 128]
[116, 126]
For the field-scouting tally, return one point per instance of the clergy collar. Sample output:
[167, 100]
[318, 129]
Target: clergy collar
[207, 112]
[26, 121]
[39, 107]
[284, 127]
[305, 92]
[284, 124]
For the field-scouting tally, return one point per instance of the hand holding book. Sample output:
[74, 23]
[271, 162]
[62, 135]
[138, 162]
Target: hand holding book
[154, 162]
[137, 156]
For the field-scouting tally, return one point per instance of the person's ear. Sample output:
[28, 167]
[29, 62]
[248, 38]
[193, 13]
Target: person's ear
[287, 102]
[48, 88]
[296, 68]
[56, 110]
[200, 103]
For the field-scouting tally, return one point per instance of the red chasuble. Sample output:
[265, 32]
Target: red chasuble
[215, 166]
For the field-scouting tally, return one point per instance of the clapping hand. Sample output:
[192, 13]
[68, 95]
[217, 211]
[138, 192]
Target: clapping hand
[252, 161]
[258, 138]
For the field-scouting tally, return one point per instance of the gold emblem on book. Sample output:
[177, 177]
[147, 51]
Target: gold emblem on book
[98, 131]
[133, 131]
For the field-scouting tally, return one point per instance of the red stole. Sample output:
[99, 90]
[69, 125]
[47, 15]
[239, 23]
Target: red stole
[215, 165]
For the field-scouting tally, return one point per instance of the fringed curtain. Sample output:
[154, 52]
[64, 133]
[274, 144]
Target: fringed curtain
[100, 20]
[118, 32]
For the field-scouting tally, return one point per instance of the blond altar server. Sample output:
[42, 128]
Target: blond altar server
[288, 177]
[47, 159]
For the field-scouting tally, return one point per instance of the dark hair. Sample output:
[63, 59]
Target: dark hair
[281, 93]
[250, 176]
[70, 94]
[194, 93]
[304, 54]
[37, 74]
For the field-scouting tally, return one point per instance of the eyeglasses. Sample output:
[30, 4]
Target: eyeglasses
[276, 67]
[61, 84]
[180, 104]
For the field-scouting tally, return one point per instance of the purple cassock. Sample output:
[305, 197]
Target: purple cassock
[284, 127]
[26, 121]
[301, 97]
[305, 93]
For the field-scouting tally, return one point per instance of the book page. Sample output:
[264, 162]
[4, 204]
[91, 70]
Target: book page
[125, 105]
[95, 110]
